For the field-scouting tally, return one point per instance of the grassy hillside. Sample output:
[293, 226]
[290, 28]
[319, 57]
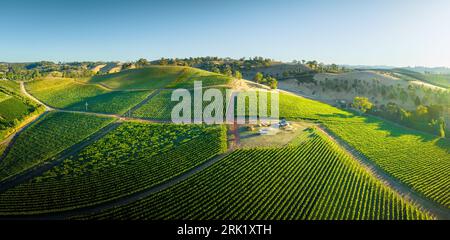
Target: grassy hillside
[442, 80]
[62, 92]
[67, 93]
[146, 78]
[315, 180]
[156, 77]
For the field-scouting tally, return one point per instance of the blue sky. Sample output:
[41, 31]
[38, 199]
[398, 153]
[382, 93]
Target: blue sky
[383, 32]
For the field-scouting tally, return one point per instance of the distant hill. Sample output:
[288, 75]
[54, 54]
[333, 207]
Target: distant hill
[434, 70]
[276, 70]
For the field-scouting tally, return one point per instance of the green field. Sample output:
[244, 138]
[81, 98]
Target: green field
[420, 160]
[160, 106]
[63, 92]
[44, 139]
[10, 86]
[4, 96]
[307, 177]
[296, 108]
[133, 157]
[66, 93]
[72, 94]
[117, 102]
[145, 78]
[315, 180]
[14, 107]
[158, 77]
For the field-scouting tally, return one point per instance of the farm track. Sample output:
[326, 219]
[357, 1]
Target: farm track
[124, 200]
[36, 171]
[439, 211]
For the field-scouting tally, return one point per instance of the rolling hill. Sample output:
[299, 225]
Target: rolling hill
[136, 168]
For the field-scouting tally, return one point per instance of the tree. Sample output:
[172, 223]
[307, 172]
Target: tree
[362, 104]
[258, 77]
[125, 66]
[442, 128]
[404, 115]
[271, 82]
[163, 61]
[237, 74]
[417, 101]
[421, 111]
[228, 72]
[142, 62]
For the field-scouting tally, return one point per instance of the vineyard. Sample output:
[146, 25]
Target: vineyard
[315, 180]
[153, 77]
[296, 108]
[160, 106]
[49, 136]
[306, 176]
[159, 77]
[62, 92]
[188, 76]
[113, 102]
[66, 93]
[2, 148]
[129, 159]
[14, 108]
[417, 159]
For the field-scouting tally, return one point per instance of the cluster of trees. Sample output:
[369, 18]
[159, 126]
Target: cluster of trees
[30, 71]
[216, 64]
[415, 94]
[266, 80]
[425, 118]
[321, 67]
